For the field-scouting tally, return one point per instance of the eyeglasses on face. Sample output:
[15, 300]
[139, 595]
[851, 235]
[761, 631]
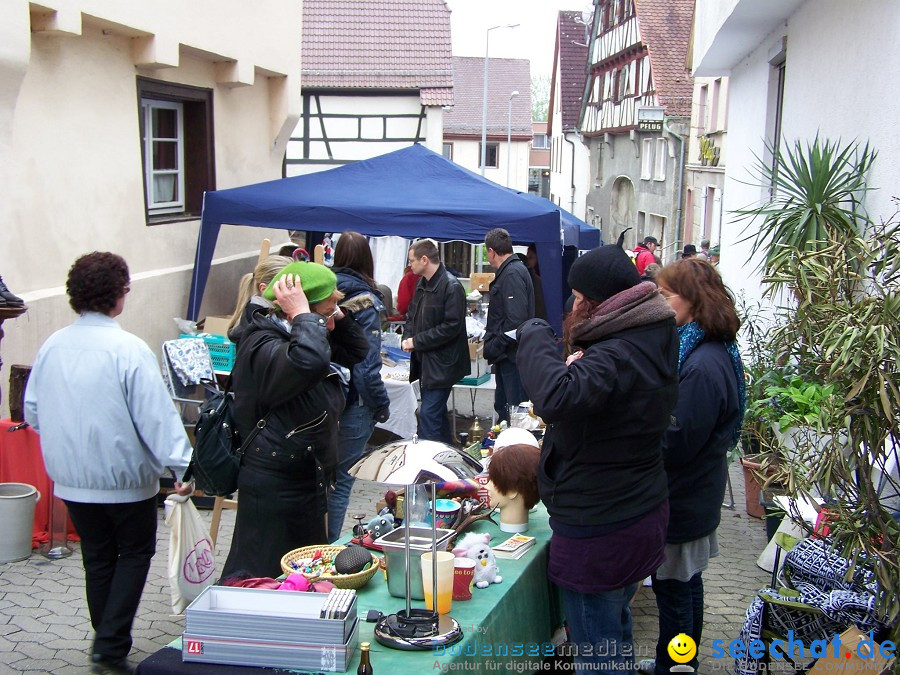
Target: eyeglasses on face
[332, 315]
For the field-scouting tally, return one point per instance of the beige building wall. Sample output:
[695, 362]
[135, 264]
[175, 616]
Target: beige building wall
[70, 148]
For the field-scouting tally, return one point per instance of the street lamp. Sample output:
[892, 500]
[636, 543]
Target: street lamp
[487, 42]
[509, 136]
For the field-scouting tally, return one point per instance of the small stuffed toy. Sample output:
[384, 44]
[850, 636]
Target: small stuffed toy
[380, 525]
[478, 547]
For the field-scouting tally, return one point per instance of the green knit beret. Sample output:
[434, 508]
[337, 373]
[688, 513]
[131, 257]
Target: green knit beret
[317, 280]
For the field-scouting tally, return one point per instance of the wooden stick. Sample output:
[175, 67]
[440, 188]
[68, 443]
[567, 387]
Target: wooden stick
[319, 254]
[263, 250]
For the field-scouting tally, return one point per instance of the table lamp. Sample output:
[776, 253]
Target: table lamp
[410, 463]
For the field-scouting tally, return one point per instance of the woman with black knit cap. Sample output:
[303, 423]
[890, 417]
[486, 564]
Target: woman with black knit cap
[601, 475]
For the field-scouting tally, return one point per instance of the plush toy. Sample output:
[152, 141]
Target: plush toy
[478, 547]
[380, 525]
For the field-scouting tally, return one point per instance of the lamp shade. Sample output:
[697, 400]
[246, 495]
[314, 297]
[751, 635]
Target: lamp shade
[413, 461]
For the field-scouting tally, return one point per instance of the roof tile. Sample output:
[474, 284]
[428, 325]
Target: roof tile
[504, 77]
[665, 27]
[386, 44]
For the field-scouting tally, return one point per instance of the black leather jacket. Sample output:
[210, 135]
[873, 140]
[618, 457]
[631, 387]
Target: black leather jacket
[436, 319]
[512, 303]
[290, 377]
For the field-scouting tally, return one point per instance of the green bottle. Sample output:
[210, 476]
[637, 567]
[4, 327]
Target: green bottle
[365, 666]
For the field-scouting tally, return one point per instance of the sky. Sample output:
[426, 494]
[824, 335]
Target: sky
[532, 40]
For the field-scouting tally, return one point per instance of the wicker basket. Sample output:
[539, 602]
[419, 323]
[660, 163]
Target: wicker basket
[357, 580]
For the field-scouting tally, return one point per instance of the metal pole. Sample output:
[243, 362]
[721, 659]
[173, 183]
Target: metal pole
[484, 99]
[509, 136]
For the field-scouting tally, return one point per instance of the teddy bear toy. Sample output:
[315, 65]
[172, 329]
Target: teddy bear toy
[477, 547]
[380, 525]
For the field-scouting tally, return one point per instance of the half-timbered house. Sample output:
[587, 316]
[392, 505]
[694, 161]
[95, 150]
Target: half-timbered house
[375, 77]
[634, 117]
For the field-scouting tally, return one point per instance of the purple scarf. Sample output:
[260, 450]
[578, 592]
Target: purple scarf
[637, 306]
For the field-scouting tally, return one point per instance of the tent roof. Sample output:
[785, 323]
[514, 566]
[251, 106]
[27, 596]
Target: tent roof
[409, 192]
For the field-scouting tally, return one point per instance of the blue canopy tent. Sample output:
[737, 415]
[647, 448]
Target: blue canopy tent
[411, 193]
[575, 231]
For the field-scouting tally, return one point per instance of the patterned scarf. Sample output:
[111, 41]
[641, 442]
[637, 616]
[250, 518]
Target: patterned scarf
[691, 335]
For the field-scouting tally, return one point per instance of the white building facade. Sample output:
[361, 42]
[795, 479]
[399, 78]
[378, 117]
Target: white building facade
[797, 68]
[114, 118]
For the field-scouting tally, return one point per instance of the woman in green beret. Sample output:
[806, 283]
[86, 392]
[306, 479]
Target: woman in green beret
[290, 376]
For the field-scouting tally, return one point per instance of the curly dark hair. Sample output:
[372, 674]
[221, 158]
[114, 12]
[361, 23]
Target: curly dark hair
[96, 281]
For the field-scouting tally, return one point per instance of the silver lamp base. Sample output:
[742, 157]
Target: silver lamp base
[421, 629]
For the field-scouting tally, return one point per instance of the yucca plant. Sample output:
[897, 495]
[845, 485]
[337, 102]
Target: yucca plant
[839, 323]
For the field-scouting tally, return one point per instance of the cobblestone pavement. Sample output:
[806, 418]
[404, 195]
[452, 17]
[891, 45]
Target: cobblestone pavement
[44, 623]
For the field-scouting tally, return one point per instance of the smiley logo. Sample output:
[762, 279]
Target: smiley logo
[682, 648]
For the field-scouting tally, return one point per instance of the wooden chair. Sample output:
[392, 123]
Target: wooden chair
[220, 503]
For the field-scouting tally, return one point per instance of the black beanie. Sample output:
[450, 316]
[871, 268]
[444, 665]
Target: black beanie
[603, 272]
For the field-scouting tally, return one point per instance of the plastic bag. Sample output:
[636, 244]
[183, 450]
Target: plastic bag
[192, 560]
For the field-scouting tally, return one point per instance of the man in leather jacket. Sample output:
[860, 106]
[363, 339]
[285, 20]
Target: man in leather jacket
[511, 304]
[435, 336]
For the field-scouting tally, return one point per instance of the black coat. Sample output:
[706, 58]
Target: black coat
[436, 319]
[601, 460]
[511, 304]
[289, 376]
[697, 441]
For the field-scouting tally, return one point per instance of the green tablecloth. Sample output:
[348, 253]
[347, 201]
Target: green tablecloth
[507, 625]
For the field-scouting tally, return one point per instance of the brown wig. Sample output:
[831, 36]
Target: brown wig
[701, 285]
[96, 281]
[352, 251]
[514, 469]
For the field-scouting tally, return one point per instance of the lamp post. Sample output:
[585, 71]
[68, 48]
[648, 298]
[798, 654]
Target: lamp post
[487, 43]
[509, 136]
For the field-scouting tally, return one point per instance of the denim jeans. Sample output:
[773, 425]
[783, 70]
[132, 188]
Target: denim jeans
[509, 389]
[600, 627]
[434, 425]
[680, 605]
[357, 423]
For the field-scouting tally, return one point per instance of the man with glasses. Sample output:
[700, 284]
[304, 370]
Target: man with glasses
[435, 336]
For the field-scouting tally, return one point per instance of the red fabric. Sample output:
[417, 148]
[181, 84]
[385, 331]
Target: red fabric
[405, 292]
[644, 258]
[21, 462]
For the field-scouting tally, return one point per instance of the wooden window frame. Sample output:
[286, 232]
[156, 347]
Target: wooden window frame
[198, 149]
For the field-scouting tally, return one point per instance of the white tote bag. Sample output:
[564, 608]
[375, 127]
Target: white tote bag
[192, 560]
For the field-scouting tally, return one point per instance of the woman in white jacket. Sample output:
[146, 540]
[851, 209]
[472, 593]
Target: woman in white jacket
[108, 431]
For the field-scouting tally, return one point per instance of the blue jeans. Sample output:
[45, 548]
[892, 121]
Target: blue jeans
[680, 605]
[509, 389]
[357, 423]
[600, 627]
[434, 424]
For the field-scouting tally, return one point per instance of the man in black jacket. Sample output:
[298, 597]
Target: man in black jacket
[435, 336]
[511, 304]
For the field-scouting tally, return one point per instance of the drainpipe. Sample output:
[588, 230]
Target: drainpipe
[566, 139]
[679, 183]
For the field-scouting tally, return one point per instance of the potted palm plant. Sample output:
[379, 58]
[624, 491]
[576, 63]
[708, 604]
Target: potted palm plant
[837, 274]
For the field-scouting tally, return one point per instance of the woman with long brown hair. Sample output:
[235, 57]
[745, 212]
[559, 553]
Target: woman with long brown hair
[367, 401]
[705, 425]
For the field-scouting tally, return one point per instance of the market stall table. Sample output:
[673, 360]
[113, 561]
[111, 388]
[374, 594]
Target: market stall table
[404, 401]
[507, 627]
[21, 462]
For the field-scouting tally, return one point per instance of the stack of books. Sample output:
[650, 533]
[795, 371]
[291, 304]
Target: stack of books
[514, 547]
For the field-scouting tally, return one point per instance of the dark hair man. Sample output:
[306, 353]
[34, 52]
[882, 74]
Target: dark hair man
[511, 304]
[435, 336]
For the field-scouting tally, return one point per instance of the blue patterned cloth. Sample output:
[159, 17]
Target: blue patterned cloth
[189, 359]
[690, 335]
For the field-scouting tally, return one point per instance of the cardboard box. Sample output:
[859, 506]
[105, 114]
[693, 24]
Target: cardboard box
[216, 325]
[481, 281]
[475, 350]
[477, 364]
